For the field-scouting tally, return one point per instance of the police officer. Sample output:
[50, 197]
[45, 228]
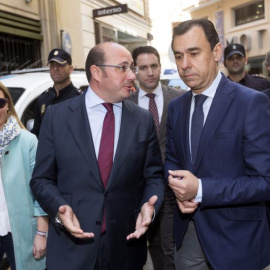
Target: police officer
[60, 65]
[235, 61]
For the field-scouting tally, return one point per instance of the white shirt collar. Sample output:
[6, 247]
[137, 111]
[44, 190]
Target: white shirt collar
[157, 91]
[92, 99]
[211, 90]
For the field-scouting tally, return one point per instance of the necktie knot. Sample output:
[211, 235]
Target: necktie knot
[199, 100]
[108, 106]
[150, 95]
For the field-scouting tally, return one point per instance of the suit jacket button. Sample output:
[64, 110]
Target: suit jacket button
[106, 194]
[98, 223]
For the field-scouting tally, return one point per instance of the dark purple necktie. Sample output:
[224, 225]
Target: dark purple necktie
[153, 109]
[197, 125]
[106, 148]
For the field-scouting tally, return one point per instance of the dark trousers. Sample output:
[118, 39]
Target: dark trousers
[102, 262]
[6, 246]
[160, 235]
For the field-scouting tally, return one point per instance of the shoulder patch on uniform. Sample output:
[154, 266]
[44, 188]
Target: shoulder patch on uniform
[43, 108]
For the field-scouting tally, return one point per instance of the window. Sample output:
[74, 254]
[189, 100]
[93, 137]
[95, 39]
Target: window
[249, 13]
[15, 93]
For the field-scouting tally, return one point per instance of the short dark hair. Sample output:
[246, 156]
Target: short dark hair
[207, 26]
[96, 56]
[144, 49]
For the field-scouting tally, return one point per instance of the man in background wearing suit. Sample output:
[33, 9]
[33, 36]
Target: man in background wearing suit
[217, 160]
[160, 233]
[99, 170]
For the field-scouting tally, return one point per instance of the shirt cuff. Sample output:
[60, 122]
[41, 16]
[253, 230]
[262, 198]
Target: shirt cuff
[198, 197]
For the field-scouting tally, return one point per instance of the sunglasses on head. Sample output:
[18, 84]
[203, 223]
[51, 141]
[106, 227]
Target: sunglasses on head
[3, 102]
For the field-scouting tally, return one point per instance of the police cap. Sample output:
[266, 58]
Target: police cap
[59, 56]
[234, 49]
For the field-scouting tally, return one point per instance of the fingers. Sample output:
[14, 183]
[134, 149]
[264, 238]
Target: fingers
[72, 224]
[179, 173]
[152, 200]
[75, 229]
[144, 218]
[62, 209]
[39, 249]
[187, 207]
[39, 254]
[83, 235]
[137, 234]
[184, 184]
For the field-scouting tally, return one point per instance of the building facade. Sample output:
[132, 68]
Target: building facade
[29, 29]
[239, 21]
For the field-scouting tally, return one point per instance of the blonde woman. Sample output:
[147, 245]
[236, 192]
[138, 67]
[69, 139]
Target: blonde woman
[22, 235]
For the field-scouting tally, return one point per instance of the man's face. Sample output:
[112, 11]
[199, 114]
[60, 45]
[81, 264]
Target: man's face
[235, 64]
[60, 74]
[149, 71]
[116, 84]
[196, 62]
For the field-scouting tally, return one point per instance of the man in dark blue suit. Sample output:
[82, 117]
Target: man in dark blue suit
[98, 206]
[220, 173]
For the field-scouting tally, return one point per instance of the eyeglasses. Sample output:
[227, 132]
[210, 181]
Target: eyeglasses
[145, 68]
[124, 68]
[3, 102]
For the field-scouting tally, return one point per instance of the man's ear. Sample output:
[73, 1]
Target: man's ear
[96, 72]
[217, 51]
[71, 68]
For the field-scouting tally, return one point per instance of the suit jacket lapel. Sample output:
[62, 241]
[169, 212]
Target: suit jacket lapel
[166, 100]
[222, 99]
[80, 129]
[184, 128]
[129, 124]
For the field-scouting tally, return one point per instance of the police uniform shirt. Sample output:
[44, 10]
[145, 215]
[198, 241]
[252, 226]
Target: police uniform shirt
[48, 98]
[255, 82]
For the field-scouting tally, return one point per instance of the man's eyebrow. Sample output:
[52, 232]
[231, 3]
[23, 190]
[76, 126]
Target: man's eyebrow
[193, 49]
[188, 50]
[126, 63]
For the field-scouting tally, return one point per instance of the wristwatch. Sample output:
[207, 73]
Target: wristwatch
[44, 234]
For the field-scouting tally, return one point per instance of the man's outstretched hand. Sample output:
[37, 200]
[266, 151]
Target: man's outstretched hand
[144, 218]
[71, 223]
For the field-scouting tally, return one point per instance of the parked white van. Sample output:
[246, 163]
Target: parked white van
[26, 86]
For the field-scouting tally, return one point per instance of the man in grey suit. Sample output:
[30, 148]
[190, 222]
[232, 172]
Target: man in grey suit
[152, 94]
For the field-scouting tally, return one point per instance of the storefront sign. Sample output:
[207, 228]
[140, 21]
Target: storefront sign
[112, 10]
